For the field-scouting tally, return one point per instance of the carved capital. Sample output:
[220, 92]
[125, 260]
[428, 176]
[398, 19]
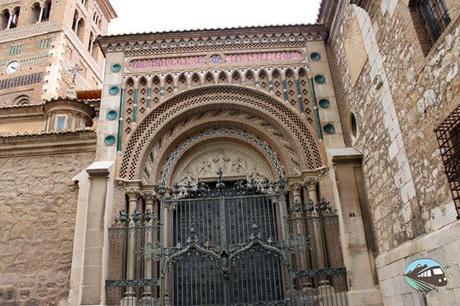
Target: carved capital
[133, 193]
[149, 196]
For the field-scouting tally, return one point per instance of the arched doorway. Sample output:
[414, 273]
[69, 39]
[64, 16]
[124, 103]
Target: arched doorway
[222, 206]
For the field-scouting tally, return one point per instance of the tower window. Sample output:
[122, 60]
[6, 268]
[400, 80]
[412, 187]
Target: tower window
[80, 29]
[430, 18]
[36, 12]
[14, 18]
[46, 11]
[90, 43]
[75, 21]
[5, 17]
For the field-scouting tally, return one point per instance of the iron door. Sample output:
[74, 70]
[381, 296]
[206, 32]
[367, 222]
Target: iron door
[225, 224]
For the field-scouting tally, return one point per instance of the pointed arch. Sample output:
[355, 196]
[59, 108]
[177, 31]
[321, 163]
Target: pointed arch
[263, 80]
[236, 77]
[182, 82]
[169, 86]
[291, 88]
[209, 78]
[156, 90]
[222, 77]
[250, 78]
[195, 80]
[277, 83]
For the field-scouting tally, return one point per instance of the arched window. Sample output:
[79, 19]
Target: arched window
[14, 19]
[95, 50]
[81, 29]
[5, 17]
[430, 18]
[36, 12]
[90, 43]
[46, 11]
[75, 21]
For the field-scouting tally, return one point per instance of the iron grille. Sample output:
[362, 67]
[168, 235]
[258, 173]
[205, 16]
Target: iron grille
[448, 135]
[227, 246]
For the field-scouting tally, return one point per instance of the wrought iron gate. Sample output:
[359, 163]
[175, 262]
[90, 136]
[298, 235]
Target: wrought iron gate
[239, 245]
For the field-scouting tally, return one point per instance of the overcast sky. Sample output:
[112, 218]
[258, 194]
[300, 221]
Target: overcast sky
[164, 15]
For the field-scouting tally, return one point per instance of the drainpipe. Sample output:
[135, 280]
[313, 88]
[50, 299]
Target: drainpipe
[315, 109]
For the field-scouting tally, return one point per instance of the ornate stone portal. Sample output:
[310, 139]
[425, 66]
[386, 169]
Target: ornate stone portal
[221, 170]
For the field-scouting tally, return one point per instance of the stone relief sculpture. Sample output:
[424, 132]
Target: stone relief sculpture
[235, 163]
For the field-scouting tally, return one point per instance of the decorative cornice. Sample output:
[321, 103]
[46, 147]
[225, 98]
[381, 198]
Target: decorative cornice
[212, 39]
[84, 107]
[34, 110]
[48, 143]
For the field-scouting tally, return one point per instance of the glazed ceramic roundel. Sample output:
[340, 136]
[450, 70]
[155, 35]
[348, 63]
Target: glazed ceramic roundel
[12, 67]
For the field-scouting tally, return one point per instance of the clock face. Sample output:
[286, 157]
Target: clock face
[12, 67]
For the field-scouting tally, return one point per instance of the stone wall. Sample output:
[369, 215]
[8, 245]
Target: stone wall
[37, 219]
[404, 173]
[399, 98]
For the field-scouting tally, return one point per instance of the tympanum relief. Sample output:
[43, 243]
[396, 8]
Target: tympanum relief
[236, 162]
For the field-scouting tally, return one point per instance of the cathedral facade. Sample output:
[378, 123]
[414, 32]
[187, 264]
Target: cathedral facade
[274, 165]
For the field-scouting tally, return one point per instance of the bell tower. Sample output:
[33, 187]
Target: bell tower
[41, 40]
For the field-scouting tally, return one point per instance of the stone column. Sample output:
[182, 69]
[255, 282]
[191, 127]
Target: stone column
[92, 290]
[351, 204]
[149, 241]
[299, 225]
[41, 15]
[317, 231]
[10, 19]
[133, 196]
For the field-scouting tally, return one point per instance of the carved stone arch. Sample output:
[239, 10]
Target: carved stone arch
[259, 160]
[268, 139]
[310, 152]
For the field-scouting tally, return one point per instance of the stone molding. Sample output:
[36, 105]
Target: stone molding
[213, 39]
[48, 143]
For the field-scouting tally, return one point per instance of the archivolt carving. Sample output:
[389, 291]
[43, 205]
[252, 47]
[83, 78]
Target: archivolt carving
[275, 145]
[275, 113]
